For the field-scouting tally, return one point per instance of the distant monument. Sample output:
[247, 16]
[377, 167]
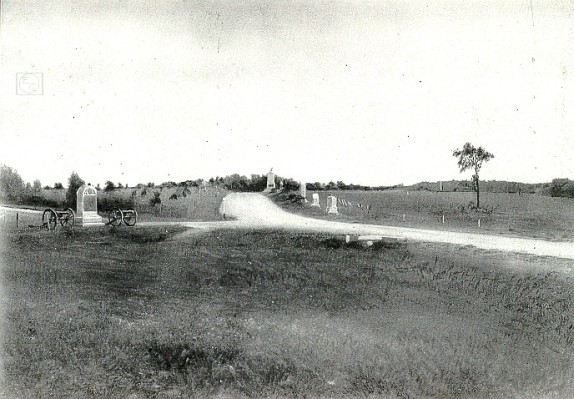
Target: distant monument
[270, 181]
[303, 190]
[87, 207]
[440, 187]
[332, 205]
[316, 200]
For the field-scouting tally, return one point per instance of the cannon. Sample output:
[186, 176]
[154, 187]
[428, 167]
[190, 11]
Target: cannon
[51, 217]
[128, 217]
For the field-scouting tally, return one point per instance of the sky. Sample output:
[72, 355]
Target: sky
[376, 93]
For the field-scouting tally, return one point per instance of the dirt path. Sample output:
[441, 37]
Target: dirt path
[252, 210]
[5, 209]
[255, 211]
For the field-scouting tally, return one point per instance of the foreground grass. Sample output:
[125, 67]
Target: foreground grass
[152, 313]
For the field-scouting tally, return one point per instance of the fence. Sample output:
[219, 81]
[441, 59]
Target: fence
[11, 219]
[500, 213]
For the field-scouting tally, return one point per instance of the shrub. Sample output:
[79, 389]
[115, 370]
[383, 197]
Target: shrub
[562, 188]
[36, 200]
[156, 200]
[110, 186]
[74, 183]
[107, 204]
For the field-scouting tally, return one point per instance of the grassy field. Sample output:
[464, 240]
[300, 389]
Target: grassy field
[503, 213]
[150, 313]
[12, 219]
[198, 204]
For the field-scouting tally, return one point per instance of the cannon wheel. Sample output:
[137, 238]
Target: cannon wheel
[67, 218]
[130, 217]
[115, 217]
[49, 219]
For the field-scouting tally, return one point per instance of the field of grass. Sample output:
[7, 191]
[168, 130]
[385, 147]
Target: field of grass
[198, 204]
[503, 213]
[150, 313]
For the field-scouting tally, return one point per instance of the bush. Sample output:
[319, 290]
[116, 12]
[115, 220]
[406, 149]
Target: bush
[36, 200]
[562, 188]
[568, 190]
[156, 200]
[110, 186]
[108, 204]
[74, 183]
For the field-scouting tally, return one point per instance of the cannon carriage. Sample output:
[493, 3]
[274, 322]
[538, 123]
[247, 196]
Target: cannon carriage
[126, 216]
[51, 218]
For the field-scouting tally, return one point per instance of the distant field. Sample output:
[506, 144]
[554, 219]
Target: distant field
[141, 313]
[526, 215]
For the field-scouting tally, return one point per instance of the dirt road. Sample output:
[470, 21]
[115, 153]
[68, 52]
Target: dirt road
[253, 210]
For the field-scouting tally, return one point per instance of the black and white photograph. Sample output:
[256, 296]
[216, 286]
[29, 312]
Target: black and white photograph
[286, 199]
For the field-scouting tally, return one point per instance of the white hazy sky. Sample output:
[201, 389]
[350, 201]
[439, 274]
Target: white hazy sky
[366, 92]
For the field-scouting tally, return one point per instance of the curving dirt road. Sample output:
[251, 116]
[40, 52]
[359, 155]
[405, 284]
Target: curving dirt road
[253, 210]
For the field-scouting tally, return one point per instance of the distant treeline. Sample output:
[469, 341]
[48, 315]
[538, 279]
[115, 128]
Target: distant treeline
[14, 190]
[557, 188]
[493, 186]
[256, 183]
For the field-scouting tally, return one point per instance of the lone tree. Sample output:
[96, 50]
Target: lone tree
[110, 186]
[11, 184]
[472, 158]
[74, 183]
[37, 186]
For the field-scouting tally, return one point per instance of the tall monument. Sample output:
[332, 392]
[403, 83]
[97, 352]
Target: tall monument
[87, 207]
[303, 190]
[270, 181]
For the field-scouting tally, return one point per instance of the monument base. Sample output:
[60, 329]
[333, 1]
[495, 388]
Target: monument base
[332, 205]
[89, 219]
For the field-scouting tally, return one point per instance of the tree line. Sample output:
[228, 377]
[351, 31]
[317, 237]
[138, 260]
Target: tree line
[14, 190]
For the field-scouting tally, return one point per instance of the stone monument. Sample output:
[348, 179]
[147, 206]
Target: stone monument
[332, 205]
[316, 200]
[303, 190]
[270, 181]
[87, 207]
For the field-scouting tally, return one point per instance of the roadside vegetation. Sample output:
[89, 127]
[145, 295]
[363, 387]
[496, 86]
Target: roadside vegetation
[156, 312]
